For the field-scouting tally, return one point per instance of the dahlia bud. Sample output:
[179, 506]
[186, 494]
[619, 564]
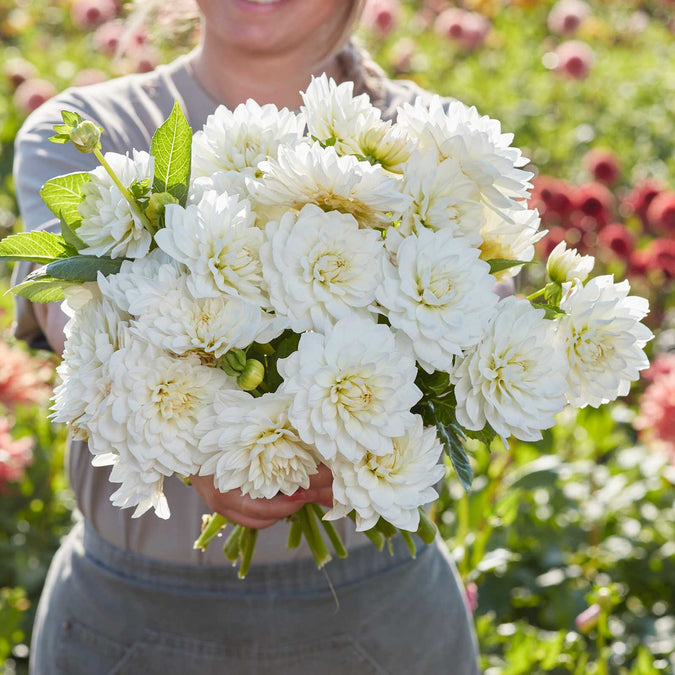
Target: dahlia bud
[252, 375]
[588, 619]
[86, 136]
[563, 265]
[234, 362]
[156, 206]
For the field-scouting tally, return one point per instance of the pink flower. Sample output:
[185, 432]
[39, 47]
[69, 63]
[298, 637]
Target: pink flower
[603, 165]
[22, 378]
[471, 591]
[575, 59]
[588, 619]
[450, 23]
[552, 197]
[15, 455]
[402, 54]
[661, 214]
[112, 36]
[88, 14]
[641, 196]
[469, 29]
[618, 238]
[32, 93]
[638, 263]
[567, 15]
[381, 16]
[663, 364]
[17, 70]
[89, 76]
[656, 420]
[595, 202]
[661, 256]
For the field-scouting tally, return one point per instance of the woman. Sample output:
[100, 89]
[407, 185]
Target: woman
[131, 596]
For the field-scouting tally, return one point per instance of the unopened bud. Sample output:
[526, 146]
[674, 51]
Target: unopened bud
[564, 265]
[236, 359]
[156, 206]
[588, 619]
[86, 136]
[252, 375]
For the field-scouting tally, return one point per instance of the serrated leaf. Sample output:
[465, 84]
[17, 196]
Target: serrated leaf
[72, 119]
[454, 448]
[500, 264]
[44, 289]
[81, 268]
[60, 138]
[172, 150]
[38, 247]
[63, 194]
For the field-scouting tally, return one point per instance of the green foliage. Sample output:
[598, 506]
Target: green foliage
[171, 148]
[63, 195]
[38, 247]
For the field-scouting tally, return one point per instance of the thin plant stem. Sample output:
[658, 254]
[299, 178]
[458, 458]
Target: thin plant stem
[335, 540]
[213, 526]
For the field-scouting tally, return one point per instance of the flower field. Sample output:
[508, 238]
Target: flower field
[566, 545]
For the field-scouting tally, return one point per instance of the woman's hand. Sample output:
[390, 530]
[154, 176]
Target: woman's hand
[261, 513]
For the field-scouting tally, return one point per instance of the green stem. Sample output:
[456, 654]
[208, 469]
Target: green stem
[294, 534]
[125, 193]
[603, 666]
[387, 529]
[247, 546]
[374, 535]
[427, 529]
[537, 294]
[311, 531]
[232, 544]
[463, 529]
[335, 540]
[213, 526]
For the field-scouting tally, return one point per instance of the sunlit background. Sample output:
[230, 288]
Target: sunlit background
[567, 546]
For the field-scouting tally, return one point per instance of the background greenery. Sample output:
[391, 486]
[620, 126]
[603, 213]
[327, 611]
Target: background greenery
[585, 518]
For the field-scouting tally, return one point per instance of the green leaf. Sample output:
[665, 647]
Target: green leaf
[500, 264]
[39, 247]
[63, 194]
[551, 312]
[171, 148]
[452, 438]
[139, 188]
[437, 383]
[60, 138]
[44, 289]
[81, 268]
[72, 119]
[69, 236]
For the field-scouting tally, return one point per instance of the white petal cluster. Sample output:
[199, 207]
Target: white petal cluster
[92, 336]
[312, 174]
[250, 444]
[181, 323]
[603, 340]
[475, 142]
[320, 267]
[146, 427]
[567, 265]
[353, 389]
[218, 243]
[510, 234]
[239, 139]
[391, 486]
[439, 293]
[515, 379]
[443, 198]
[109, 225]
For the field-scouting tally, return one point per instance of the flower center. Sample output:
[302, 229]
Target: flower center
[170, 400]
[352, 393]
[328, 268]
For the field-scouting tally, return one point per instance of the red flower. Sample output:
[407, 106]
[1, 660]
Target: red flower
[638, 263]
[641, 197]
[450, 23]
[618, 238]
[663, 364]
[661, 256]
[661, 214]
[22, 378]
[567, 15]
[575, 59]
[603, 165]
[552, 197]
[595, 201]
[15, 455]
[32, 93]
[88, 14]
[17, 70]
[656, 420]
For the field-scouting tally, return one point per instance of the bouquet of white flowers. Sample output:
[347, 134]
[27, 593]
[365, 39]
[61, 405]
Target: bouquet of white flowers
[283, 290]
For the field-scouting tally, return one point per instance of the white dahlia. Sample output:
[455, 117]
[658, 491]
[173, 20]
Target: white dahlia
[237, 140]
[311, 174]
[181, 323]
[515, 379]
[567, 265]
[510, 235]
[142, 489]
[353, 389]
[443, 198]
[391, 486]
[250, 444]
[109, 226]
[92, 336]
[603, 340]
[152, 407]
[475, 142]
[319, 267]
[217, 241]
[439, 293]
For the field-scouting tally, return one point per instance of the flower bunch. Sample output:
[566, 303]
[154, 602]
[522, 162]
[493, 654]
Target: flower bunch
[316, 288]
